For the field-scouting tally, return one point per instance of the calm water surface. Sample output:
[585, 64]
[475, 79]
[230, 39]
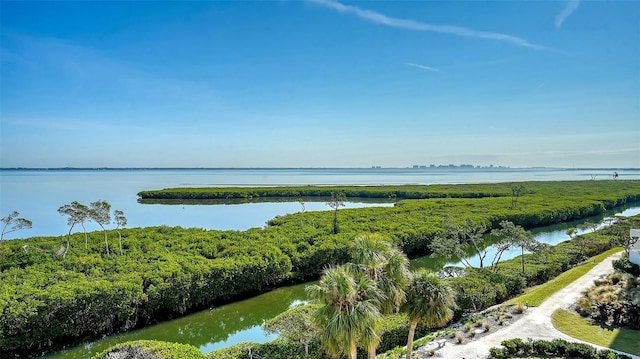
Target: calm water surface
[37, 194]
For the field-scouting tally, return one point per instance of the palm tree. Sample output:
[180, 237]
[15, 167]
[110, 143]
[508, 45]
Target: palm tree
[430, 299]
[348, 311]
[388, 268]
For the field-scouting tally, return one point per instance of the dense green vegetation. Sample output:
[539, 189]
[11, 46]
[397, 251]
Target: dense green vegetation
[47, 300]
[393, 331]
[151, 349]
[598, 190]
[475, 290]
[295, 193]
[516, 348]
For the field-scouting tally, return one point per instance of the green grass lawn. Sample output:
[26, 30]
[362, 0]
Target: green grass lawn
[623, 339]
[534, 296]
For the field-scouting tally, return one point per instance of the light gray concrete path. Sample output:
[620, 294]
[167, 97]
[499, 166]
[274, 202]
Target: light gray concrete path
[534, 323]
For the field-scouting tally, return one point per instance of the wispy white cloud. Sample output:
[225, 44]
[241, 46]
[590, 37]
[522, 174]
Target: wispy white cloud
[422, 67]
[421, 26]
[571, 6]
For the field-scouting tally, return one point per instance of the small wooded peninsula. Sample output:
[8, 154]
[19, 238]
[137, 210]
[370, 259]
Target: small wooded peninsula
[48, 300]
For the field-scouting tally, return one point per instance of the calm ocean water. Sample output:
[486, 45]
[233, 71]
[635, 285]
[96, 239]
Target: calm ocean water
[37, 194]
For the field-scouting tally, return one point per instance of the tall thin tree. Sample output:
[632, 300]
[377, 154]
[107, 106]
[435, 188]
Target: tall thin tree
[295, 325]
[337, 200]
[121, 221]
[514, 235]
[454, 239]
[76, 213]
[12, 223]
[99, 212]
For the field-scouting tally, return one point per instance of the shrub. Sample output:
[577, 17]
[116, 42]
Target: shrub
[151, 349]
[584, 306]
[625, 266]
[579, 350]
[516, 345]
[497, 353]
[510, 347]
[237, 351]
[486, 325]
[616, 278]
[559, 346]
[518, 309]
[543, 347]
[606, 354]
[556, 347]
[280, 348]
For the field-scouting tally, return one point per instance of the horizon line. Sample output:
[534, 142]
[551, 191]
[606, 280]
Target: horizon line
[422, 167]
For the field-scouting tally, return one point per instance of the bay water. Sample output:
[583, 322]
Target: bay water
[37, 194]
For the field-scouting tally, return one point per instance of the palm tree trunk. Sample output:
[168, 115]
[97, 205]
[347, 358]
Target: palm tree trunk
[522, 259]
[353, 351]
[412, 332]
[372, 352]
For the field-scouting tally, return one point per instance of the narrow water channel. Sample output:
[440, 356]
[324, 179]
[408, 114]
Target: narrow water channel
[220, 327]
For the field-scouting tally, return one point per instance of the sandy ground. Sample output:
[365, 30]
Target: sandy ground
[534, 323]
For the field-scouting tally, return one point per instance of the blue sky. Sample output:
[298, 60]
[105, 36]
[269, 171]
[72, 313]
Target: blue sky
[320, 83]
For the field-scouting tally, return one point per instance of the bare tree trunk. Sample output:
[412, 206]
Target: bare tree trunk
[120, 242]
[86, 239]
[412, 332]
[64, 255]
[480, 254]
[106, 243]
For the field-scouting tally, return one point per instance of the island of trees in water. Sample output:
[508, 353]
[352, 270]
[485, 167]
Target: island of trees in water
[48, 300]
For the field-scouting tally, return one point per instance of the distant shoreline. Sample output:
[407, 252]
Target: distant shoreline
[462, 168]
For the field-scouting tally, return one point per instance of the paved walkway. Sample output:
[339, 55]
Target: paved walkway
[535, 323]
